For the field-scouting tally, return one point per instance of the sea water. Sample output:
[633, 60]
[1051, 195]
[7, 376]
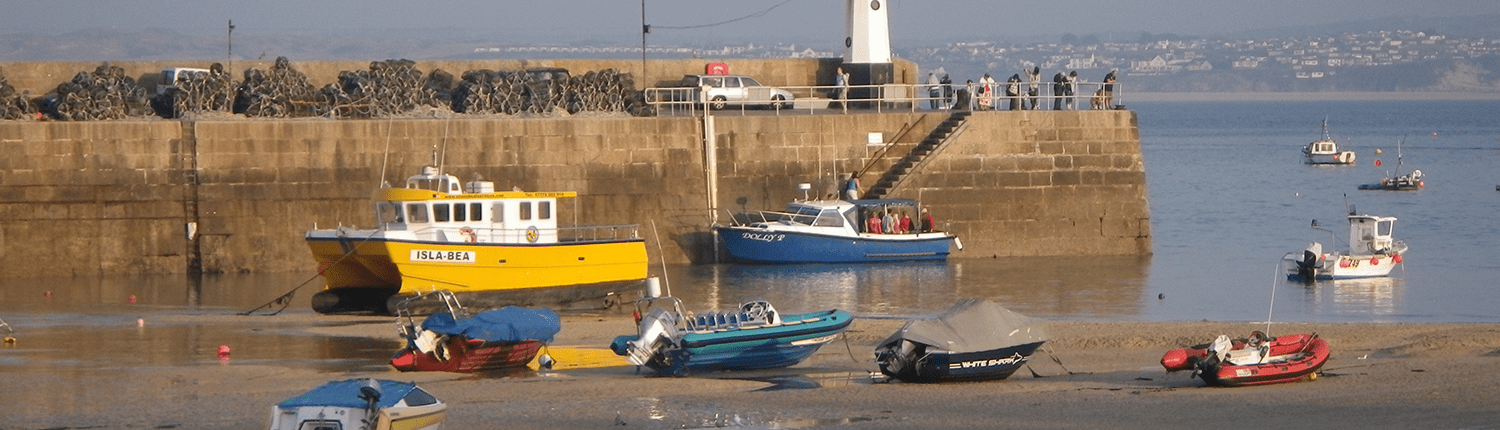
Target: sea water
[1229, 197]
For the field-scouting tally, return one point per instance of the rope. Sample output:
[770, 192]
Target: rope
[286, 299]
[849, 348]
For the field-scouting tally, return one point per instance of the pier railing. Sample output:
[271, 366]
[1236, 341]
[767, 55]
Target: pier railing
[677, 101]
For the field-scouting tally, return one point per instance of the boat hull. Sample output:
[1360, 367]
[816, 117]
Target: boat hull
[771, 246]
[360, 272]
[1338, 266]
[468, 355]
[968, 366]
[747, 348]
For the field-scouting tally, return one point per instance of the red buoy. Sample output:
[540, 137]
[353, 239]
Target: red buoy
[1374, 261]
[1396, 258]
[1343, 263]
[1377, 162]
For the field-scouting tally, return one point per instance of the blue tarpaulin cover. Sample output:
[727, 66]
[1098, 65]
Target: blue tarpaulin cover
[508, 324]
[346, 394]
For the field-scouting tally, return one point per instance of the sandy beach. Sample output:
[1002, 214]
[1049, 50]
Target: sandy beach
[1091, 375]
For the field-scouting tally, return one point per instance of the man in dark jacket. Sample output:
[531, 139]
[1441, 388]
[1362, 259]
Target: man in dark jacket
[1059, 89]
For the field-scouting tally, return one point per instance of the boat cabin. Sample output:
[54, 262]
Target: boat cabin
[433, 206]
[850, 216]
[1323, 147]
[1372, 234]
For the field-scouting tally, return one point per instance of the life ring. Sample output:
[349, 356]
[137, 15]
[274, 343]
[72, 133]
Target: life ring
[531, 234]
[468, 234]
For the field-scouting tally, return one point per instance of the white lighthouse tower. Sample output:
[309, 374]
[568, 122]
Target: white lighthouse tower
[867, 47]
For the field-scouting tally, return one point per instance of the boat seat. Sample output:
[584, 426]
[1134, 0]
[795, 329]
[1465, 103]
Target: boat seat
[1248, 356]
[724, 320]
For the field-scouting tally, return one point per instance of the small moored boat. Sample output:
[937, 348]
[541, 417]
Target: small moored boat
[1257, 360]
[836, 231]
[1372, 252]
[1326, 151]
[1395, 180]
[494, 248]
[755, 336]
[364, 404]
[455, 341]
[975, 340]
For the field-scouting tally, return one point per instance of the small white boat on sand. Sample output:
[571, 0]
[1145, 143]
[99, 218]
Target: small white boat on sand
[1372, 252]
[365, 404]
[1326, 151]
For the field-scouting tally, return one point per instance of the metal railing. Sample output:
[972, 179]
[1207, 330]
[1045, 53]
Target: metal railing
[591, 233]
[679, 101]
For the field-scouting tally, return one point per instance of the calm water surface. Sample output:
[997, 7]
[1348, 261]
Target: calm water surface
[1229, 197]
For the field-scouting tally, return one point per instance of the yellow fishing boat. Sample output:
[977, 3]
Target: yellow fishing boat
[494, 248]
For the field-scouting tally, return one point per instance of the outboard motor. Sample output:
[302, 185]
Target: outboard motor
[658, 330]
[1308, 267]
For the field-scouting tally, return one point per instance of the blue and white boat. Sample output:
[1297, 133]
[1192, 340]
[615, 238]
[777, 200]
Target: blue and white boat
[836, 231]
[365, 404]
[755, 336]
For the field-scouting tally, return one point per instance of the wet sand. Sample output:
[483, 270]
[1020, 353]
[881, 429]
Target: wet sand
[1091, 375]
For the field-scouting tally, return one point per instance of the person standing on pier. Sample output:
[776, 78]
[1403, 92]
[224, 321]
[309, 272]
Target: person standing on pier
[1034, 85]
[934, 90]
[1059, 89]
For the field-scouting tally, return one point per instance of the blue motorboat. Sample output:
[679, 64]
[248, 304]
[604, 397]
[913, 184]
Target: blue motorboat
[755, 336]
[837, 231]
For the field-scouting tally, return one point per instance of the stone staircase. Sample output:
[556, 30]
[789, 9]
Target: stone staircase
[897, 173]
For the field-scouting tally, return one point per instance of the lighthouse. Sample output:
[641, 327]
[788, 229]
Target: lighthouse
[867, 47]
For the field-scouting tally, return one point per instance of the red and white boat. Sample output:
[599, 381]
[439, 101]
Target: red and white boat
[1257, 360]
[454, 341]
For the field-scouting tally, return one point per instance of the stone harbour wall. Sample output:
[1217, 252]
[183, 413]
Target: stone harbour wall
[119, 197]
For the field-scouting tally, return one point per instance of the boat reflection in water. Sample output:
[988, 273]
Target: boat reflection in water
[1103, 288]
[1365, 296]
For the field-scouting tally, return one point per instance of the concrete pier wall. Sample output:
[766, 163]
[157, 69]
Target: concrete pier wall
[118, 197]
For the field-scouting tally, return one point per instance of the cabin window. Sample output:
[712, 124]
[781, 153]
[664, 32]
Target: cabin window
[460, 212]
[476, 211]
[829, 218]
[1383, 228]
[416, 213]
[319, 425]
[525, 211]
[430, 184]
[544, 210]
[417, 397]
[387, 212]
[440, 212]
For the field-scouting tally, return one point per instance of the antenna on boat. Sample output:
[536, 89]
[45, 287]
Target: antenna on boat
[662, 258]
[1275, 272]
[386, 157]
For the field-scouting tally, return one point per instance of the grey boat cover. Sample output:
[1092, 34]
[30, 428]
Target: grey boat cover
[972, 325]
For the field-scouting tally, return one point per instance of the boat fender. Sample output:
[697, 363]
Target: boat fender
[1396, 258]
[1374, 261]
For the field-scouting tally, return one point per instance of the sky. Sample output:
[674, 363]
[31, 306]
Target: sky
[618, 21]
